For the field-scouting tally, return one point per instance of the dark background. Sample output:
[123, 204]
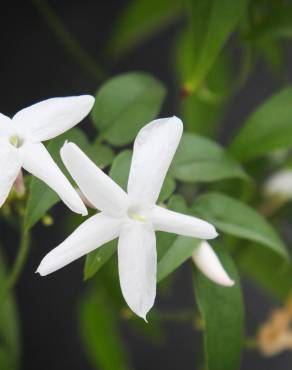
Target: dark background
[34, 65]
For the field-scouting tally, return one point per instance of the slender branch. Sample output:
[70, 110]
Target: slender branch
[68, 40]
[18, 263]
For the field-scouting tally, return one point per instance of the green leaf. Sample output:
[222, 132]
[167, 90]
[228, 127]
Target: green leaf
[233, 217]
[199, 159]
[97, 258]
[222, 312]
[212, 22]
[167, 189]
[267, 269]
[41, 197]
[268, 128]
[9, 328]
[120, 168]
[126, 103]
[277, 23]
[179, 251]
[101, 337]
[139, 20]
[101, 155]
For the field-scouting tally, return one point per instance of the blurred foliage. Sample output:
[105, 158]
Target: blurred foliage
[119, 115]
[236, 218]
[225, 305]
[221, 185]
[140, 20]
[9, 326]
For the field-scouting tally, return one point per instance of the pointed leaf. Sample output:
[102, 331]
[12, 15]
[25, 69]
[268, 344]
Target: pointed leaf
[268, 128]
[222, 313]
[124, 104]
[233, 217]
[199, 159]
[212, 22]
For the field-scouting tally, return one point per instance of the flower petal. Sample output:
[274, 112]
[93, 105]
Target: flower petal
[52, 117]
[10, 165]
[5, 125]
[91, 234]
[38, 161]
[208, 262]
[154, 149]
[178, 223]
[137, 266]
[97, 187]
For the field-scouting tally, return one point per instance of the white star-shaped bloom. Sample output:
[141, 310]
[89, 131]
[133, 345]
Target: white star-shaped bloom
[133, 217]
[21, 145]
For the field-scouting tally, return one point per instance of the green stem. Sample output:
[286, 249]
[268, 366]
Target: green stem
[18, 263]
[68, 40]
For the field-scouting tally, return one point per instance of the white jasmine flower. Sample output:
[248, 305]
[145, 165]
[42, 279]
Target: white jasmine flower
[21, 145]
[132, 217]
[280, 184]
[209, 264]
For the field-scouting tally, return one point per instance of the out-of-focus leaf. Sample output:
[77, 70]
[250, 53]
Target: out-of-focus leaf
[273, 53]
[120, 168]
[201, 115]
[102, 340]
[41, 197]
[101, 155]
[222, 312]
[212, 22]
[139, 20]
[268, 128]
[267, 269]
[199, 159]
[277, 23]
[9, 328]
[124, 104]
[167, 189]
[97, 258]
[233, 217]
[152, 330]
[119, 172]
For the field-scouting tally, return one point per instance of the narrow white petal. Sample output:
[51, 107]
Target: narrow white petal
[10, 165]
[52, 117]
[5, 125]
[208, 262]
[154, 149]
[137, 266]
[178, 223]
[280, 184]
[38, 161]
[97, 187]
[91, 234]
